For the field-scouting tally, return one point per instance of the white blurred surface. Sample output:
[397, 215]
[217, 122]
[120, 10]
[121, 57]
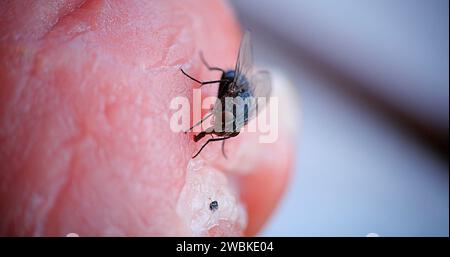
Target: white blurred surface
[356, 173]
[402, 46]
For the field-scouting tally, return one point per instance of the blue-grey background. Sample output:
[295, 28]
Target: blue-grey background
[373, 84]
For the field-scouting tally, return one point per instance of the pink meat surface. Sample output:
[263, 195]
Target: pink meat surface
[85, 140]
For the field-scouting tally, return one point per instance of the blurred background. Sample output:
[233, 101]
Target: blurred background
[373, 83]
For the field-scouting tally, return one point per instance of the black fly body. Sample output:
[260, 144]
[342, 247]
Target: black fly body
[241, 84]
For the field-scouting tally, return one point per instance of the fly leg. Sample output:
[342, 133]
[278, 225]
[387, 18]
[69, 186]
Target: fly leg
[203, 82]
[210, 140]
[198, 123]
[207, 65]
[223, 143]
[204, 133]
[223, 149]
[199, 136]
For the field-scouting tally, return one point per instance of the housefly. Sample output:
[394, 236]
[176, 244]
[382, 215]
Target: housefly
[237, 96]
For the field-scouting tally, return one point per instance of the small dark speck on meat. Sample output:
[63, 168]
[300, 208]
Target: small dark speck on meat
[214, 205]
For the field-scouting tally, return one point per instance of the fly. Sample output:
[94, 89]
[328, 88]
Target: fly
[242, 83]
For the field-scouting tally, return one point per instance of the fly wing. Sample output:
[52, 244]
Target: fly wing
[244, 61]
[261, 84]
[261, 88]
[258, 84]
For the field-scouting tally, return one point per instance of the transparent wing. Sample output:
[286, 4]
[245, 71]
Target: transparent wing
[261, 88]
[261, 84]
[244, 61]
